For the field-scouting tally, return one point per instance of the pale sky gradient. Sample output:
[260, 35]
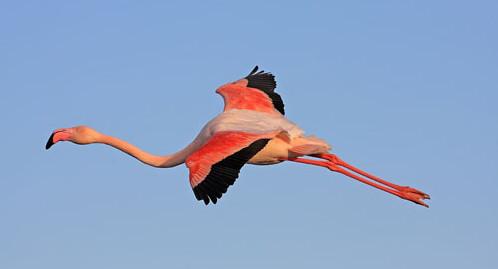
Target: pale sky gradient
[407, 90]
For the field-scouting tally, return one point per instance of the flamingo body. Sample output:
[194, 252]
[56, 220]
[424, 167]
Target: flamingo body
[251, 129]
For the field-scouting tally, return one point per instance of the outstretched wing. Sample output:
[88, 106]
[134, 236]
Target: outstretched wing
[216, 165]
[256, 92]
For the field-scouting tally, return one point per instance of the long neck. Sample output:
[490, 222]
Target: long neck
[145, 157]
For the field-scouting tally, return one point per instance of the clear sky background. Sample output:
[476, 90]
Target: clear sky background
[407, 90]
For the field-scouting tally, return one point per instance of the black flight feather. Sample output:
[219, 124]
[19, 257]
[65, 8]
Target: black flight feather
[266, 83]
[224, 173]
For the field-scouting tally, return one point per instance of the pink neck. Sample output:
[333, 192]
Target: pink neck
[145, 157]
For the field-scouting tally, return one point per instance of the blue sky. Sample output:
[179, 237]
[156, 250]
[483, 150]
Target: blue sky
[407, 91]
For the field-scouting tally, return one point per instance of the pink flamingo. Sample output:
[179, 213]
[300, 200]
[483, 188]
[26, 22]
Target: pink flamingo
[251, 129]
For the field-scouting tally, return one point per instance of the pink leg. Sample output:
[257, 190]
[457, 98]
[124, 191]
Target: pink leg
[414, 197]
[336, 160]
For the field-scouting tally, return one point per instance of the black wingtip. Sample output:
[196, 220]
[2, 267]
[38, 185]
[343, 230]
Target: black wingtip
[50, 141]
[254, 70]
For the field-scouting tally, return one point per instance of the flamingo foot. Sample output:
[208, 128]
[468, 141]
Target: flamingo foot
[407, 189]
[414, 197]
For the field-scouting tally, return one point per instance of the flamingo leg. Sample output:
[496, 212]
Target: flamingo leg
[404, 194]
[336, 160]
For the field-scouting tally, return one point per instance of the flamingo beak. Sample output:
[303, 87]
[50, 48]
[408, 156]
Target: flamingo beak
[56, 136]
[50, 141]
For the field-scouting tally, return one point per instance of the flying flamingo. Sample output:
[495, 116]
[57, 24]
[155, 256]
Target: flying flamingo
[251, 129]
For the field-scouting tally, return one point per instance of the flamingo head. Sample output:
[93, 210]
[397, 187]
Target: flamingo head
[80, 135]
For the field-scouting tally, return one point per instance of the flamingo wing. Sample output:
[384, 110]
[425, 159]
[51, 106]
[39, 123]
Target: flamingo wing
[256, 92]
[216, 165]
[266, 83]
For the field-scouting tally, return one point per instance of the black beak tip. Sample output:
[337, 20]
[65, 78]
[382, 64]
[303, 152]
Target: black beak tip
[50, 142]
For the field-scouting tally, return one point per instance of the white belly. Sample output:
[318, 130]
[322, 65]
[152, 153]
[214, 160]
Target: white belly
[272, 153]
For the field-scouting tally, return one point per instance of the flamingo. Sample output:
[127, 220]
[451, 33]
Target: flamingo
[251, 129]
